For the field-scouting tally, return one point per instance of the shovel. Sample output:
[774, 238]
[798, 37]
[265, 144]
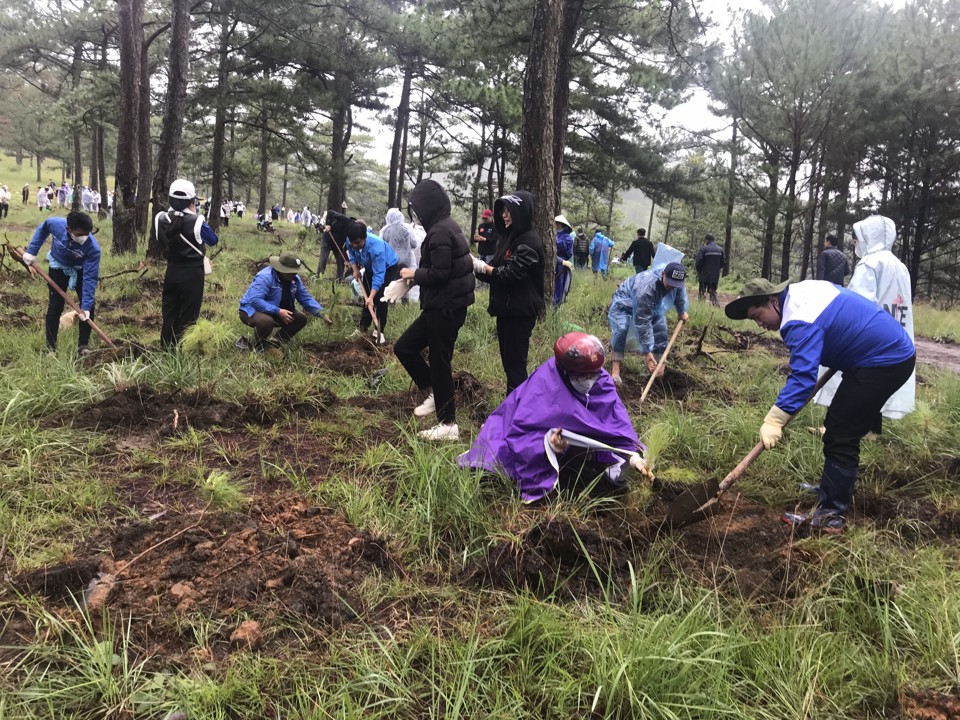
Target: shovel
[697, 502]
[17, 254]
[663, 359]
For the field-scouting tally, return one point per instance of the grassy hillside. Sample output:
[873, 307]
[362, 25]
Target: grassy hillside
[231, 535]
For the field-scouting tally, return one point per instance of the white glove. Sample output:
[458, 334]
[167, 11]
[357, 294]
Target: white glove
[395, 290]
[479, 266]
[640, 465]
[84, 315]
[29, 259]
[567, 264]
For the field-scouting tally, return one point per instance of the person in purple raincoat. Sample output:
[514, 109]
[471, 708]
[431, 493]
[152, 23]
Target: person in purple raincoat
[572, 392]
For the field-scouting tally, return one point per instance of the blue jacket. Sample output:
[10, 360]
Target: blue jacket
[68, 253]
[600, 251]
[646, 299]
[831, 326]
[376, 256]
[564, 244]
[265, 292]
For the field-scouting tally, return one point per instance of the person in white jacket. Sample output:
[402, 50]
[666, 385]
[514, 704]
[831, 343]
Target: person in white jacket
[880, 277]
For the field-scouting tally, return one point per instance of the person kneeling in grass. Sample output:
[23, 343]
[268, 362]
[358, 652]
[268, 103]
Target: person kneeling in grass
[269, 303]
[523, 438]
[821, 323]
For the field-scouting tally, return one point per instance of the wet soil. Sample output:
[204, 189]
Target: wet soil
[359, 356]
[930, 705]
[282, 558]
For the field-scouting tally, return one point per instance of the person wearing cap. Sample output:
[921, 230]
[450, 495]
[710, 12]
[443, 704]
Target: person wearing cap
[380, 268]
[74, 259]
[572, 392]
[641, 250]
[564, 267]
[183, 236]
[709, 264]
[821, 323]
[269, 302]
[641, 302]
[446, 282]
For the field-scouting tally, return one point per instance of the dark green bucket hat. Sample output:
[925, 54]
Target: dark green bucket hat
[287, 262]
[752, 289]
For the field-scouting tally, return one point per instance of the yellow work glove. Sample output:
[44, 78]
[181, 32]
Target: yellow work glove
[772, 428]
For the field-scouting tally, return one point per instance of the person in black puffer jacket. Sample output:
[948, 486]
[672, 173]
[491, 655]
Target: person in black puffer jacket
[446, 281]
[516, 282]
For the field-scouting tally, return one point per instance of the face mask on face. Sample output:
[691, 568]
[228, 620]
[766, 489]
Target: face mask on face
[583, 384]
[79, 239]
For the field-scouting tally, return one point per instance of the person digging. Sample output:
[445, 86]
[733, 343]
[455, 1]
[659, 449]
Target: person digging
[571, 392]
[74, 260]
[823, 324]
[269, 304]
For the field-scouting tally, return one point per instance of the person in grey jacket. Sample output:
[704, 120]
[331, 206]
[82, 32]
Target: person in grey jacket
[832, 265]
[709, 264]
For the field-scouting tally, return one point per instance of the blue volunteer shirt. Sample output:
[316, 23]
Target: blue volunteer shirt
[265, 293]
[84, 258]
[824, 324]
[376, 256]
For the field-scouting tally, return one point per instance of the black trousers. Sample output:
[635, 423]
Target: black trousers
[328, 245]
[856, 407]
[436, 330]
[392, 273]
[55, 309]
[4, 209]
[580, 259]
[513, 335]
[181, 301]
[264, 325]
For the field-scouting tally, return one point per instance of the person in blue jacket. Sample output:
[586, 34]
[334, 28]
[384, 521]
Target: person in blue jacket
[600, 253]
[641, 302]
[380, 268]
[564, 266]
[269, 302]
[74, 259]
[823, 324]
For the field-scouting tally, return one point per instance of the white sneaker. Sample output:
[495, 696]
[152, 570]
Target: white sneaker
[425, 408]
[380, 338]
[441, 432]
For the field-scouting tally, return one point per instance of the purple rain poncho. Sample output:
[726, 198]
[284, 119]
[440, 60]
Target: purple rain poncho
[511, 440]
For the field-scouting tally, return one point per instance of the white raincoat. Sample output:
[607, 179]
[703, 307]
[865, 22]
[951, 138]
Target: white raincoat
[880, 277]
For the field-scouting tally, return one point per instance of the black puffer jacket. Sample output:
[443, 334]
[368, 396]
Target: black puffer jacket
[445, 275]
[516, 283]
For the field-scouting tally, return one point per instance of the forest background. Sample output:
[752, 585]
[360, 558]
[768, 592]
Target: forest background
[829, 110]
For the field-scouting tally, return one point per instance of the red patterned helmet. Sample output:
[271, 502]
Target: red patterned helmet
[577, 352]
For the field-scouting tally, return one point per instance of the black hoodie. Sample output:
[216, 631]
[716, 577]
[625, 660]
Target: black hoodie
[445, 275]
[516, 283]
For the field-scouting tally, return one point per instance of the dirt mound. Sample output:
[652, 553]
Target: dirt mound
[15, 301]
[554, 555]
[283, 560]
[930, 705]
[136, 407]
[358, 356]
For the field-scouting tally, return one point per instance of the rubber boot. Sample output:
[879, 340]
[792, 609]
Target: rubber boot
[836, 488]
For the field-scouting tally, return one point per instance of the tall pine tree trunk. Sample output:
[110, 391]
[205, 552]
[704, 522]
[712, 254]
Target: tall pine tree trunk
[731, 197]
[264, 169]
[75, 74]
[340, 139]
[395, 181]
[174, 110]
[536, 171]
[572, 10]
[144, 148]
[791, 210]
[220, 124]
[772, 208]
[812, 195]
[130, 33]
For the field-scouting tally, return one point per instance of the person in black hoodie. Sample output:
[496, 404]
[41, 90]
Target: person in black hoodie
[334, 238]
[516, 282]
[446, 281]
[183, 236]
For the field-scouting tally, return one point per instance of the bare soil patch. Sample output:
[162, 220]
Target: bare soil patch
[283, 558]
[930, 705]
[359, 356]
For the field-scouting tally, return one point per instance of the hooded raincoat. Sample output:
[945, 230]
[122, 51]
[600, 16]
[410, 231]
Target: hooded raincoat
[400, 237]
[511, 440]
[600, 252]
[881, 278]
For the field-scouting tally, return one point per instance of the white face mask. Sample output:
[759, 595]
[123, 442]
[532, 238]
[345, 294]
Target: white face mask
[583, 385]
[79, 239]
